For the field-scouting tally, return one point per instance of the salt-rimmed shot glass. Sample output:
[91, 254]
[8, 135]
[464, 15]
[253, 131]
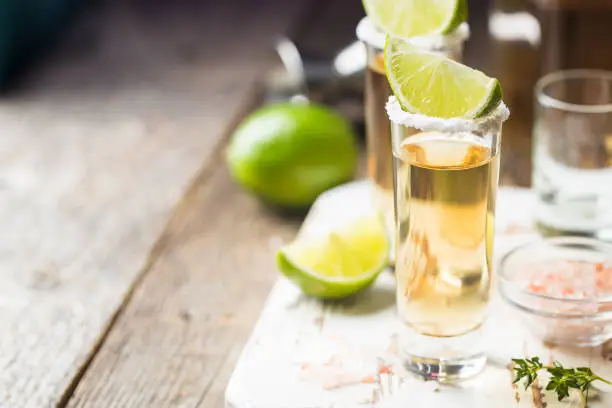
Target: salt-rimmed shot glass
[377, 91]
[446, 177]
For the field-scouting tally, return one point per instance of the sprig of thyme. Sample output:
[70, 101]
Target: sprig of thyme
[562, 379]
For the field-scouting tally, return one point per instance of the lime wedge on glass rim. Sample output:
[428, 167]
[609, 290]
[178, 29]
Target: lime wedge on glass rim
[414, 18]
[431, 84]
[340, 263]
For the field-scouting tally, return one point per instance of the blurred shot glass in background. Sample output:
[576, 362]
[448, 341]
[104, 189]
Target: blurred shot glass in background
[572, 169]
[377, 91]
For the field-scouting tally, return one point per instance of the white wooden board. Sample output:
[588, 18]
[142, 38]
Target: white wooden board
[306, 353]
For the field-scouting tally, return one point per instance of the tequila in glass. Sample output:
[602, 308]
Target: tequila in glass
[378, 136]
[377, 91]
[445, 187]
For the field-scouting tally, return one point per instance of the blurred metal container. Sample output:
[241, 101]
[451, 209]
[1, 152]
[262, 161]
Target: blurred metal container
[337, 82]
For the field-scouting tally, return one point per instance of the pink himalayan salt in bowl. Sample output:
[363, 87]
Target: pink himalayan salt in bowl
[561, 288]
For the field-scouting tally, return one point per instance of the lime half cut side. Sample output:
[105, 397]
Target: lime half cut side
[431, 84]
[416, 18]
[340, 263]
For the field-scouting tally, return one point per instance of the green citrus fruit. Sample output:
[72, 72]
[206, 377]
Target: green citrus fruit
[289, 153]
[430, 84]
[338, 264]
[415, 18]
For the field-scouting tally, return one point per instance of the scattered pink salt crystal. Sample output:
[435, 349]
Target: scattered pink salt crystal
[393, 347]
[516, 229]
[334, 360]
[569, 279]
[370, 379]
[384, 369]
[573, 288]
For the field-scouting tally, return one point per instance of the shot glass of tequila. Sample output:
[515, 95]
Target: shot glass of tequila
[377, 91]
[446, 177]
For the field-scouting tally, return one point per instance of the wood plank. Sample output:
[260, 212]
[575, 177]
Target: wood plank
[97, 147]
[176, 342]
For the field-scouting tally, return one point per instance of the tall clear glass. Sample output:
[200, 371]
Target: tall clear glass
[377, 91]
[572, 171]
[446, 181]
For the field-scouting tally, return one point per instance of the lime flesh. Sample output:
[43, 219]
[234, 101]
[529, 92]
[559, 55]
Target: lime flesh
[338, 264]
[431, 84]
[412, 18]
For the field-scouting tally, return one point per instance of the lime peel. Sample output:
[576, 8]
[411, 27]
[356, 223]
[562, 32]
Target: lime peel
[338, 264]
[490, 123]
[430, 84]
[416, 18]
[288, 154]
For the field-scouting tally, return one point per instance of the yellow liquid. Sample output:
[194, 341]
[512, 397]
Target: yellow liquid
[445, 197]
[378, 136]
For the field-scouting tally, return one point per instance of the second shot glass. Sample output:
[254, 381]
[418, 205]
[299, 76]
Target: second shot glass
[377, 91]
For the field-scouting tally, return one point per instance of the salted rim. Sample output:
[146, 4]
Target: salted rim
[370, 34]
[548, 101]
[489, 123]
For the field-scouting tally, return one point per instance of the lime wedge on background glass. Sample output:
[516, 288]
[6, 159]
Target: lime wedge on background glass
[340, 263]
[433, 85]
[412, 18]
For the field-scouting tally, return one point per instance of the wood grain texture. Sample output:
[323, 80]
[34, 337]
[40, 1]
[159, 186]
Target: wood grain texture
[178, 339]
[98, 146]
[176, 342]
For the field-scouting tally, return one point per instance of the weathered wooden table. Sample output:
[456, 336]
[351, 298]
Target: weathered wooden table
[132, 269]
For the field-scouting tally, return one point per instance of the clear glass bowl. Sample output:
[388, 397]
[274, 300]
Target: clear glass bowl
[561, 288]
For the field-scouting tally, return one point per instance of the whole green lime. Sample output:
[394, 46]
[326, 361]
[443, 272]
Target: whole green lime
[289, 153]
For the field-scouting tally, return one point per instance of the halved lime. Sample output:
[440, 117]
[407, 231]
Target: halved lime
[412, 18]
[340, 263]
[433, 85]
